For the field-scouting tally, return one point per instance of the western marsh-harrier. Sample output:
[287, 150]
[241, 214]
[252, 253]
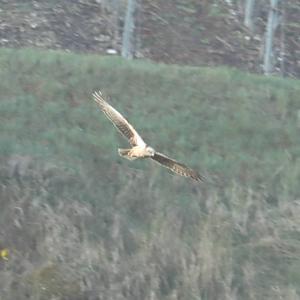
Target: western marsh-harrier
[139, 148]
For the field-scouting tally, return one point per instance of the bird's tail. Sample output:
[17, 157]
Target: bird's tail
[126, 153]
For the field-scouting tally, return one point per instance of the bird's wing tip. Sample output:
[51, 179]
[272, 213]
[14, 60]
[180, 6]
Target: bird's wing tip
[97, 93]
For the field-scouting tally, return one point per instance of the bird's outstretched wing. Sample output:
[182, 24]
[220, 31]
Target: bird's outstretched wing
[177, 167]
[119, 121]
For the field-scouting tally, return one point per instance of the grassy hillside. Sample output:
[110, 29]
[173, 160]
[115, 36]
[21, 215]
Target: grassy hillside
[72, 206]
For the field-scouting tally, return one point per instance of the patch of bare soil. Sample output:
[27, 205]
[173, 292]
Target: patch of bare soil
[181, 32]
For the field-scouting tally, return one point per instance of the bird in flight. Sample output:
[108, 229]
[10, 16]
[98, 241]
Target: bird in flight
[139, 149]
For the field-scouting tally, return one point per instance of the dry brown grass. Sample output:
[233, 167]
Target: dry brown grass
[63, 251]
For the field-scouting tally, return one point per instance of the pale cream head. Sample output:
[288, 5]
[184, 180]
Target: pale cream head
[150, 150]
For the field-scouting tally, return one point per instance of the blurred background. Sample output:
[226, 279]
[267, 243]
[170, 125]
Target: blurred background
[214, 84]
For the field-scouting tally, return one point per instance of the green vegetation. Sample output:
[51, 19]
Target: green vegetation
[124, 230]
